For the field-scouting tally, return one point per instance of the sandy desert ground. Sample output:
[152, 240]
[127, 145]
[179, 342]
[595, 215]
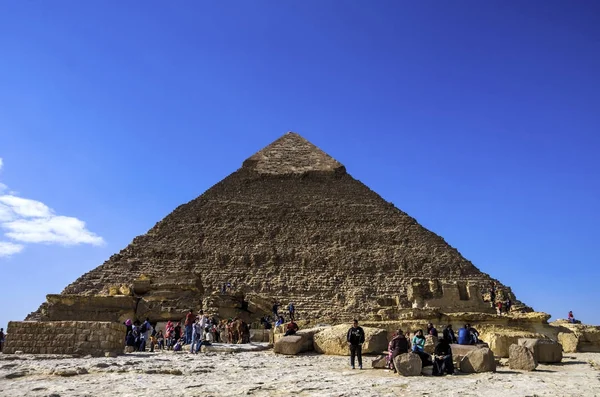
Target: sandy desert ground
[266, 374]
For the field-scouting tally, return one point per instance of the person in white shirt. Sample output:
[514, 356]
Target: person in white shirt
[196, 337]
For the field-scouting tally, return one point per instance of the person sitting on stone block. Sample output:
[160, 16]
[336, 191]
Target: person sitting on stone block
[448, 334]
[571, 318]
[292, 328]
[464, 336]
[398, 345]
[431, 330]
[160, 340]
[418, 347]
[418, 342]
[474, 334]
[442, 358]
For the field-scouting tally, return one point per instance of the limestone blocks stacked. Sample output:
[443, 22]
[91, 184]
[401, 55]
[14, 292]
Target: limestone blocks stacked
[65, 337]
[529, 352]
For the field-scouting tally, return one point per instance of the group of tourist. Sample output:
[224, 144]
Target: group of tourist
[198, 330]
[502, 306]
[291, 309]
[441, 359]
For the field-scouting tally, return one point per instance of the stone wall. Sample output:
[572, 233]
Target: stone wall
[89, 308]
[65, 337]
[456, 296]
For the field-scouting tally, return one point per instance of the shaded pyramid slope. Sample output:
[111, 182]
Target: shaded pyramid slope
[291, 224]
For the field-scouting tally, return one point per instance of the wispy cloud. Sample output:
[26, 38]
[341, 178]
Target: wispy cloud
[8, 249]
[27, 221]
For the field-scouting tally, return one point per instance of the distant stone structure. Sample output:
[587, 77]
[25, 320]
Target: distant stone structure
[65, 337]
[290, 225]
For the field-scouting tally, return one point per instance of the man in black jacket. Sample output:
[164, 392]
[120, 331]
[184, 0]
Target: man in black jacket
[356, 337]
[449, 334]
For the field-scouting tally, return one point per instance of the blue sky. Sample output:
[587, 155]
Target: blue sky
[478, 118]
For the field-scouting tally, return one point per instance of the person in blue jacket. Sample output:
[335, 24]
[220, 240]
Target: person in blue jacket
[464, 336]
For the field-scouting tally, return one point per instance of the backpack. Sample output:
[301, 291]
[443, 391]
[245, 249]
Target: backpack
[143, 328]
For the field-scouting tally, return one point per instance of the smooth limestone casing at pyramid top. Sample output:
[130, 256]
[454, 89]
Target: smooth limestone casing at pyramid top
[292, 225]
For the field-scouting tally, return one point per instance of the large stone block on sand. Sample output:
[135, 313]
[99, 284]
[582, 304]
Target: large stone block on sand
[408, 364]
[578, 337]
[301, 341]
[521, 358]
[500, 340]
[463, 350]
[291, 345]
[380, 362]
[333, 340]
[544, 350]
[478, 360]
[569, 342]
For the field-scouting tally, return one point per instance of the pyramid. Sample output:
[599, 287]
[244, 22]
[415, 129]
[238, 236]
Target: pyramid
[290, 225]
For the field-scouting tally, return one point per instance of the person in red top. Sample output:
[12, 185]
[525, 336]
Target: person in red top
[190, 318]
[169, 329]
[292, 328]
[571, 318]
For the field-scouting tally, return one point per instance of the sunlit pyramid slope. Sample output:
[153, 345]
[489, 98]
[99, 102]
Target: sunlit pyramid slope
[292, 225]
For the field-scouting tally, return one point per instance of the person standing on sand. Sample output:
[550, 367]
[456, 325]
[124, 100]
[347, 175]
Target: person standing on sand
[169, 331]
[129, 327]
[1, 338]
[177, 332]
[355, 338]
[275, 310]
[145, 329]
[196, 337]
[189, 323]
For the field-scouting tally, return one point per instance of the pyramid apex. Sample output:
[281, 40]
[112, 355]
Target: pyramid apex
[292, 154]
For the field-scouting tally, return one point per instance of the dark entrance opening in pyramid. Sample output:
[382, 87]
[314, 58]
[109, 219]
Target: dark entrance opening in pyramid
[291, 225]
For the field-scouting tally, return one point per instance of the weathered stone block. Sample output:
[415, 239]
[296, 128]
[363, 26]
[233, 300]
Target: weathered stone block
[544, 350]
[333, 341]
[569, 342]
[478, 360]
[521, 358]
[291, 345]
[380, 361]
[408, 364]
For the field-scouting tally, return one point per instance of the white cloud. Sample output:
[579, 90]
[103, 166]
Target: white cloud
[29, 221]
[56, 229]
[8, 249]
[26, 207]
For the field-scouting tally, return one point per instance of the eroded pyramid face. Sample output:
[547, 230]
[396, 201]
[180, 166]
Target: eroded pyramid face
[292, 225]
